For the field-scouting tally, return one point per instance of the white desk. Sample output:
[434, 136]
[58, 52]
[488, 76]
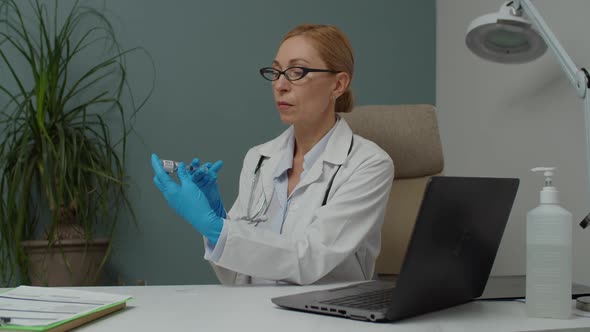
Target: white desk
[220, 308]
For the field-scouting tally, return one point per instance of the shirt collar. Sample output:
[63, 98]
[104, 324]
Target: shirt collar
[286, 161]
[310, 157]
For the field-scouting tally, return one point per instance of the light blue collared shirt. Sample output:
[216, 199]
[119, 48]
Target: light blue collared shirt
[281, 177]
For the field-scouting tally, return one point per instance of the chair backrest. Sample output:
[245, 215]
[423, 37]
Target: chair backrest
[409, 134]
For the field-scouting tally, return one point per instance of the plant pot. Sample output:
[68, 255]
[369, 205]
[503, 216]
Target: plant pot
[49, 266]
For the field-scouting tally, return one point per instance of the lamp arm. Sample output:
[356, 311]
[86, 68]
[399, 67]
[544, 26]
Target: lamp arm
[568, 66]
[586, 221]
[578, 77]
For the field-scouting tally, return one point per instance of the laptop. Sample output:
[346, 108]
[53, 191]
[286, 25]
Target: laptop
[448, 261]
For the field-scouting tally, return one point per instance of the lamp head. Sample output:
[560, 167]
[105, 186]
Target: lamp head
[505, 37]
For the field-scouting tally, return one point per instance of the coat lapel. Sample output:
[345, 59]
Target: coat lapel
[335, 153]
[272, 152]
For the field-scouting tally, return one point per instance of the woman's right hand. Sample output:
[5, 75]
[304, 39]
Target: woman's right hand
[205, 177]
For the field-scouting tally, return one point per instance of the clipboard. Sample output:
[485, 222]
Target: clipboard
[67, 325]
[56, 309]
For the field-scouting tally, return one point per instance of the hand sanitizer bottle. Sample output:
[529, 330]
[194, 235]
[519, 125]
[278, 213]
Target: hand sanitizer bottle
[549, 255]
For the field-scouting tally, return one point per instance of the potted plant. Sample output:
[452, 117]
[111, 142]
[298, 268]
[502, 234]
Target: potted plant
[64, 125]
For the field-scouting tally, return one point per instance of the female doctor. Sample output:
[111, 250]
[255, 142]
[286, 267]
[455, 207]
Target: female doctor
[311, 201]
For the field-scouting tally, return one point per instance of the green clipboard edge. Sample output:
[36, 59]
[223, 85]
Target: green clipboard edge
[72, 322]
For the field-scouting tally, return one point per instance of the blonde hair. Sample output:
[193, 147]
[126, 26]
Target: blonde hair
[335, 50]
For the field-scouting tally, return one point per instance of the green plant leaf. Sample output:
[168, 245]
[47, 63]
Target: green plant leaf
[56, 149]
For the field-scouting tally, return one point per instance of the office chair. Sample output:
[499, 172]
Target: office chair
[409, 134]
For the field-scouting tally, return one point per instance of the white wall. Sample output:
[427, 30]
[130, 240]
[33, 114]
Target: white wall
[502, 120]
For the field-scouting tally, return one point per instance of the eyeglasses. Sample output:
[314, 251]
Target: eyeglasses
[291, 73]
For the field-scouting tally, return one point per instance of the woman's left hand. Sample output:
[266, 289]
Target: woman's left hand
[205, 177]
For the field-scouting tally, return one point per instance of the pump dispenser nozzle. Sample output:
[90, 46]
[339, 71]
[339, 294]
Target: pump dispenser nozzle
[548, 172]
[549, 192]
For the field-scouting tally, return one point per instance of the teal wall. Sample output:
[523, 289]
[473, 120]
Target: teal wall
[209, 100]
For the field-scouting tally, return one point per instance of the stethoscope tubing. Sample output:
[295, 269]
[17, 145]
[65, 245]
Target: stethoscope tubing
[256, 218]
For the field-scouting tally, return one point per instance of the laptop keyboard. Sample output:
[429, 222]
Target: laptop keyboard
[373, 300]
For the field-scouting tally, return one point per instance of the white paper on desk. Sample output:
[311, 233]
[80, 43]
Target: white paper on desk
[32, 306]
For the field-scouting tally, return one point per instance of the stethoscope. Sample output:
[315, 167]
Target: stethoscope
[256, 215]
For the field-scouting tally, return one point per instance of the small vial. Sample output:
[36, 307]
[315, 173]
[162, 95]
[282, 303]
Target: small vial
[171, 166]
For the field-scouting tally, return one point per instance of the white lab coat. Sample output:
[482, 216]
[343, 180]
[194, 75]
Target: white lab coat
[336, 242]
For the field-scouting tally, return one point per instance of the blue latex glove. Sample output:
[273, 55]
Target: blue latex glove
[188, 200]
[205, 177]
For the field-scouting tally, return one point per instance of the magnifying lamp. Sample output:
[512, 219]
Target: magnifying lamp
[505, 37]
[508, 37]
